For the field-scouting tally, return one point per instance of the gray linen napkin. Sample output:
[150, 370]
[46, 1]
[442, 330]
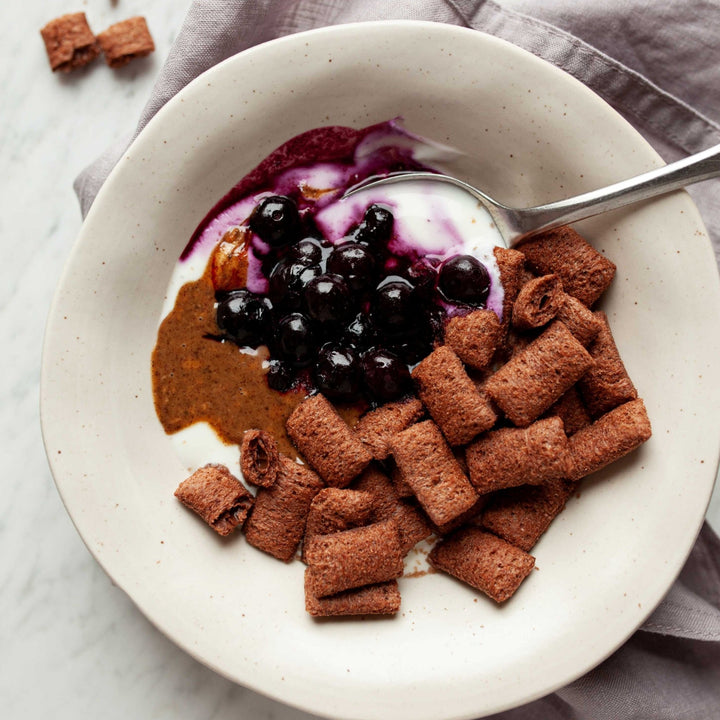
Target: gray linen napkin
[657, 64]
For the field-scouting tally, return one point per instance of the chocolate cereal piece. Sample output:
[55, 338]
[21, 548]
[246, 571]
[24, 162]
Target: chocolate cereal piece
[352, 558]
[277, 523]
[326, 442]
[485, 562]
[469, 516]
[609, 438]
[517, 456]
[376, 483]
[584, 272]
[537, 302]
[412, 525]
[474, 337]
[531, 381]
[69, 42]
[572, 411]
[451, 397]
[259, 458]
[607, 384]
[516, 342]
[217, 496]
[380, 599]
[430, 468]
[579, 319]
[375, 428]
[511, 264]
[125, 41]
[521, 515]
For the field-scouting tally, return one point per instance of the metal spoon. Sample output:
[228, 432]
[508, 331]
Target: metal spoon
[515, 224]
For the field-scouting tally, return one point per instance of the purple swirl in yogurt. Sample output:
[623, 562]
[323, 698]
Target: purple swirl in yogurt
[348, 293]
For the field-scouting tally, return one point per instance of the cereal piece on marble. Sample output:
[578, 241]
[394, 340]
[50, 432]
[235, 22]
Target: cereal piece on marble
[125, 41]
[69, 42]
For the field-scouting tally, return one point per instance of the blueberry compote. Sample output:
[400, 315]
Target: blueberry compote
[287, 288]
[347, 318]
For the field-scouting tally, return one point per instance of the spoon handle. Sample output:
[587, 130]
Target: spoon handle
[701, 166]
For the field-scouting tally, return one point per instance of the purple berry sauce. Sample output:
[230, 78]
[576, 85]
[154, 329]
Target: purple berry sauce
[348, 294]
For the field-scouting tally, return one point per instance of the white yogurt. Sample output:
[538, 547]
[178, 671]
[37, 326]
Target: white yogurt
[431, 218]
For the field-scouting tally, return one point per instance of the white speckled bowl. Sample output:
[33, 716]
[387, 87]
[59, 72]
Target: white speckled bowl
[536, 134]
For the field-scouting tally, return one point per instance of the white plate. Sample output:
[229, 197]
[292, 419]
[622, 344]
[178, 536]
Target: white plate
[536, 134]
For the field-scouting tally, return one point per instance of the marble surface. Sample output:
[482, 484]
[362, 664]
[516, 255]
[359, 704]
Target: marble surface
[71, 644]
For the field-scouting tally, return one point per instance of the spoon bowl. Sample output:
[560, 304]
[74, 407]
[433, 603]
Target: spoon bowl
[516, 224]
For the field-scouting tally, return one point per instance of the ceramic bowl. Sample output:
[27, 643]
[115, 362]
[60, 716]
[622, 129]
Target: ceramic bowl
[534, 134]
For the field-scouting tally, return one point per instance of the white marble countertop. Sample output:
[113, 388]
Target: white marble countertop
[71, 644]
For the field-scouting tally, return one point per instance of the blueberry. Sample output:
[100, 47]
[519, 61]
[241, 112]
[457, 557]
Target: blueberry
[385, 375]
[294, 339]
[436, 319]
[360, 333]
[306, 252]
[280, 377]
[379, 220]
[376, 227]
[328, 299]
[336, 373]
[287, 281]
[354, 263]
[244, 317]
[464, 279]
[276, 220]
[394, 308]
[267, 260]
